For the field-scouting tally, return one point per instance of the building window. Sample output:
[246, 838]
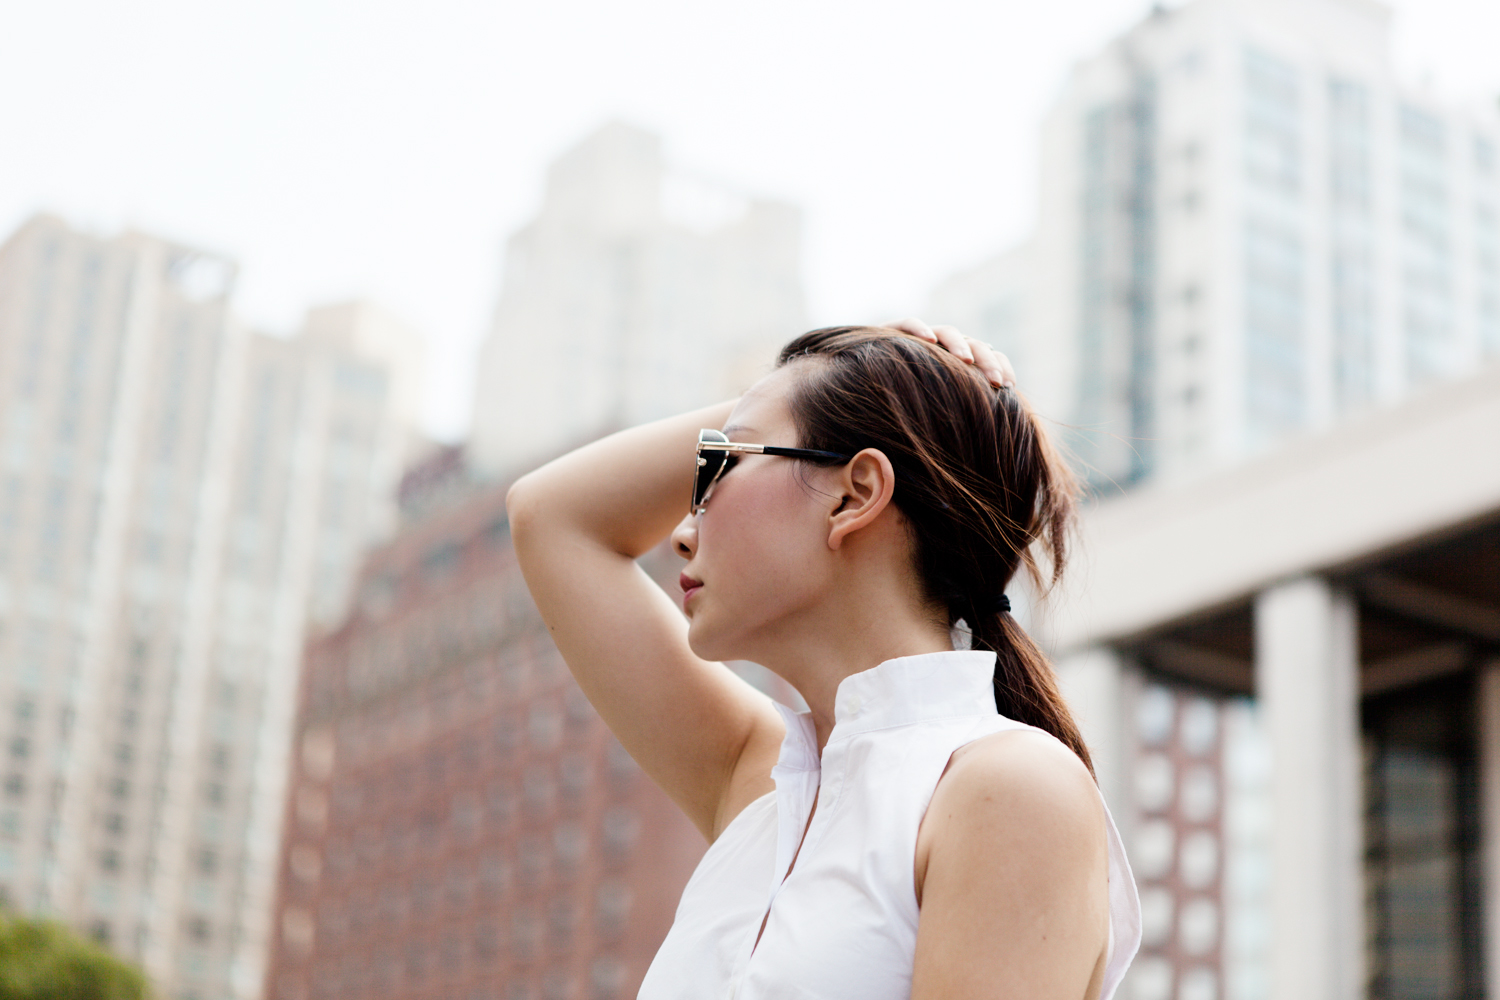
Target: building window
[494, 876]
[1426, 254]
[544, 722]
[1422, 868]
[1272, 248]
[441, 560]
[611, 908]
[497, 532]
[507, 737]
[1273, 148]
[577, 776]
[1117, 283]
[461, 885]
[1487, 277]
[621, 827]
[526, 935]
[540, 790]
[622, 768]
[557, 984]
[562, 922]
[1352, 242]
[487, 940]
[199, 930]
[1273, 326]
[569, 844]
[533, 856]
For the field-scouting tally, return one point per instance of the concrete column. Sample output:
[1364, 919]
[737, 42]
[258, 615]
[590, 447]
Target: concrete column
[1489, 818]
[1092, 682]
[1306, 675]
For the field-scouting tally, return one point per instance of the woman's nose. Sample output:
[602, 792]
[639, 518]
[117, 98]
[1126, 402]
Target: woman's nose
[685, 536]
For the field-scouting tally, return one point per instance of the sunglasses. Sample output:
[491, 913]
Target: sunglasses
[717, 455]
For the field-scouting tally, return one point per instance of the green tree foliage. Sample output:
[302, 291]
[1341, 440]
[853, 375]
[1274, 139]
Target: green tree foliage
[43, 960]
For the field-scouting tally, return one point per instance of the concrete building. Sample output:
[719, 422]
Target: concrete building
[1290, 672]
[637, 292]
[1247, 230]
[180, 499]
[461, 822]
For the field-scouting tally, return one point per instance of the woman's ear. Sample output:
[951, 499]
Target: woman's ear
[866, 485]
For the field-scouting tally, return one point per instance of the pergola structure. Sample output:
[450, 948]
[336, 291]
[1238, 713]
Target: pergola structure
[1350, 583]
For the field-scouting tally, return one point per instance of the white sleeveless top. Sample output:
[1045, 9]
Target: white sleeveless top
[844, 923]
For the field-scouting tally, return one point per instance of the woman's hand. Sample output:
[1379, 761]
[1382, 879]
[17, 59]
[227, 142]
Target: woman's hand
[996, 366]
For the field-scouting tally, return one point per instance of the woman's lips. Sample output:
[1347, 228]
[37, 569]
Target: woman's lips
[689, 588]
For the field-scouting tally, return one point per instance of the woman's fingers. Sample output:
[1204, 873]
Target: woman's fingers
[995, 365]
[915, 327]
[955, 342]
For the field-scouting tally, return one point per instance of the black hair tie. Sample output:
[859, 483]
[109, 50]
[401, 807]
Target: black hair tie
[1001, 606]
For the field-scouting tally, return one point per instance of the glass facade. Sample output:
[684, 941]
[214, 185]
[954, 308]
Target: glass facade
[1117, 314]
[1487, 246]
[1426, 259]
[1422, 864]
[1352, 243]
[1095, 283]
[1273, 248]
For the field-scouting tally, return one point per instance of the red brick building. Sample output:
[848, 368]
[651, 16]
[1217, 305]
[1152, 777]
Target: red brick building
[460, 823]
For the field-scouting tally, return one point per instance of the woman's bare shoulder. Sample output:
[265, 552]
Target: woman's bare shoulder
[1012, 874]
[1016, 793]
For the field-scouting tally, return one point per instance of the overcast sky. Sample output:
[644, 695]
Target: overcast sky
[339, 148]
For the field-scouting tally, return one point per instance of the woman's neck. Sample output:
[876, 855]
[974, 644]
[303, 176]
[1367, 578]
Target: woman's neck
[815, 660]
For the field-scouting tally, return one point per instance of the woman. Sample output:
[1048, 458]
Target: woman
[912, 834]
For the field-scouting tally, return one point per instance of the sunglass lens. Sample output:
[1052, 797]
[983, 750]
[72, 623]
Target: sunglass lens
[709, 464]
[713, 461]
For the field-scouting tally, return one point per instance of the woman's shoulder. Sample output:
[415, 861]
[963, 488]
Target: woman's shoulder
[1019, 773]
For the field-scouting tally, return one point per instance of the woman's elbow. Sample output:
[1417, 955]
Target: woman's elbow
[522, 504]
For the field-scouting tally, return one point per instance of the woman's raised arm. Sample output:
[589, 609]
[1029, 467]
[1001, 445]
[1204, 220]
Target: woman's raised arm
[578, 524]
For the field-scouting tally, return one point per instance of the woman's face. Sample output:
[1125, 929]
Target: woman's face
[760, 548]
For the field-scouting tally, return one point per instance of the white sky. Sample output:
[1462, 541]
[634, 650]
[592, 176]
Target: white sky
[340, 148]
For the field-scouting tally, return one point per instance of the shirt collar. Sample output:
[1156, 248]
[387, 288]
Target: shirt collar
[909, 689]
[898, 692]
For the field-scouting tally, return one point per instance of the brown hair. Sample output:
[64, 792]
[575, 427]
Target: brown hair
[976, 479]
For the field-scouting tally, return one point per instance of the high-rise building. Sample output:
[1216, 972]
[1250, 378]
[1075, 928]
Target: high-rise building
[180, 499]
[461, 822]
[637, 292]
[1255, 248]
[1248, 229]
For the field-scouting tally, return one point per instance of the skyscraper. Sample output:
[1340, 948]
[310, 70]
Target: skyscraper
[1249, 232]
[637, 292]
[1249, 229]
[179, 499]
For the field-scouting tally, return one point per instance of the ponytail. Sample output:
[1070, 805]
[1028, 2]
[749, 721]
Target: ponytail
[976, 479]
[1025, 683]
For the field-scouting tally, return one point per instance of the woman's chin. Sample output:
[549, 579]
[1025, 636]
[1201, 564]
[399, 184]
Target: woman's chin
[708, 644]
